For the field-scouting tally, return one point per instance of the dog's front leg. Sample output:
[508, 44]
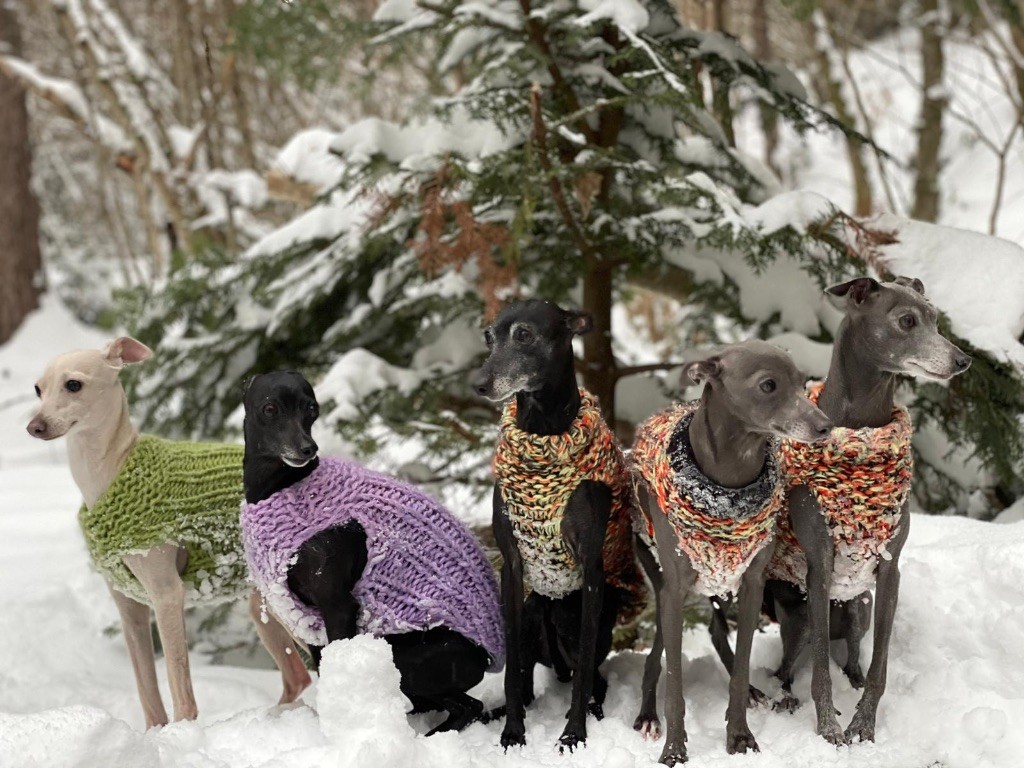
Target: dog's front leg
[139, 639]
[514, 732]
[886, 595]
[583, 528]
[738, 737]
[159, 573]
[279, 644]
[812, 532]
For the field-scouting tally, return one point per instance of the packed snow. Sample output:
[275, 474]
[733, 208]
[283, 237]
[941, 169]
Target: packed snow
[67, 696]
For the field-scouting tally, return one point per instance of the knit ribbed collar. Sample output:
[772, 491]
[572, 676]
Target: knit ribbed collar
[863, 444]
[546, 450]
[705, 494]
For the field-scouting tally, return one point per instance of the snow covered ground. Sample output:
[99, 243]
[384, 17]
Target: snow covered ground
[67, 697]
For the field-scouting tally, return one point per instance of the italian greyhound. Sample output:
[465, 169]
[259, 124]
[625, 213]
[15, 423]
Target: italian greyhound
[81, 397]
[889, 329]
[531, 358]
[752, 392]
[437, 665]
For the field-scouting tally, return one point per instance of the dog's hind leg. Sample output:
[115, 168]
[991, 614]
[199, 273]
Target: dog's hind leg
[139, 639]
[886, 594]
[793, 630]
[158, 570]
[856, 614]
[647, 723]
[279, 644]
[437, 667]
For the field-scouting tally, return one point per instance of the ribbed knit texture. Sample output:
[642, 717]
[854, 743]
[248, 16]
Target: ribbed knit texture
[719, 529]
[538, 473]
[424, 568]
[861, 478]
[172, 492]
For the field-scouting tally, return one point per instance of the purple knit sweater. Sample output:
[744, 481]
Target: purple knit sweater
[424, 569]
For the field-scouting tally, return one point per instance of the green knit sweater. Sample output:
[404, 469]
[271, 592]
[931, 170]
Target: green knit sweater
[173, 492]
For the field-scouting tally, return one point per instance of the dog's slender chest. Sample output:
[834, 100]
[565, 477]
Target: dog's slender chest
[537, 475]
[861, 480]
[719, 529]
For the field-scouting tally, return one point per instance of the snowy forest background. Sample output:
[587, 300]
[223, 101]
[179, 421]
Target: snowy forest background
[353, 188]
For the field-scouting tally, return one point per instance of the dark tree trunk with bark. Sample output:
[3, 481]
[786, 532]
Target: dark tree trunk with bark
[933, 104]
[20, 259]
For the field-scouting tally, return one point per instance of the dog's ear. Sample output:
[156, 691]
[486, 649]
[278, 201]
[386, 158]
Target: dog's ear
[579, 322]
[910, 282]
[700, 371]
[124, 350]
[857, 290]
[246, 383]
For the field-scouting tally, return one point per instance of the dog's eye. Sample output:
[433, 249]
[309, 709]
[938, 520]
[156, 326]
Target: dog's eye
[39, 392]
[523, 335]
[907, 322]
[768, 386]
[73, 385]
[313, 410]
[269, 409]
[488, 338]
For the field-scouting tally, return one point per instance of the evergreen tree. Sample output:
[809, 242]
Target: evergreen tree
[579, 156]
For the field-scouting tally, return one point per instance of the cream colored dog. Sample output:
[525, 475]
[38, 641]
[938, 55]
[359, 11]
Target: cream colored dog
[81, 396]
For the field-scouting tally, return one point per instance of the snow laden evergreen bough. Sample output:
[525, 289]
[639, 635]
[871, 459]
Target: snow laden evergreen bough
[579, 155]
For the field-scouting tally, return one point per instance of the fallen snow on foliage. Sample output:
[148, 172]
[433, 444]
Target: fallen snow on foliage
[421, 143]
[627, 14]
[307, 159]
[976, 279]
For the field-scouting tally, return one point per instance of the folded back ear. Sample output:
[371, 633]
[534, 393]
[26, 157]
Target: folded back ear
[124, 350]
[701, 371]
[910, 282]
[857, 290]
[579, 322]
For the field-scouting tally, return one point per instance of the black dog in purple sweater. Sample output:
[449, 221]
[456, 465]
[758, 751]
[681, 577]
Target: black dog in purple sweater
[437, 663]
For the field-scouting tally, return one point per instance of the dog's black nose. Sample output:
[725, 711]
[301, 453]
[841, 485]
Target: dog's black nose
[482, 384]
[824, 429]
[308, 450]
[962, 362]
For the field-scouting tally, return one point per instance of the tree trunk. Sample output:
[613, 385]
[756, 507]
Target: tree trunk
[720, 89]
[20, 259]
[763, 52]
[598, 359]
[933, 104]
[830, 89]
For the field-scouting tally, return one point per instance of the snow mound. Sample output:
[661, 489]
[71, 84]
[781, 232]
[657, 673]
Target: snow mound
[307, 159]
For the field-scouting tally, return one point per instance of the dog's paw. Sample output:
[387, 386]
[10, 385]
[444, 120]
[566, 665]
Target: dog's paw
[855, 676]
[648, 726]
[861, 728]
[597, 710]
[757, 698]
[787, 703]
[741, 742]
[673, 754]
[513, 737]
[832, 733]
[571, 739]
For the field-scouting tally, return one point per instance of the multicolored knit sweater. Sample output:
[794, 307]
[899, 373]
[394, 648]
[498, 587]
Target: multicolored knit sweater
[172, 492]
[423, 569]
[538, 473]
[720, 529]
[861, 478]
